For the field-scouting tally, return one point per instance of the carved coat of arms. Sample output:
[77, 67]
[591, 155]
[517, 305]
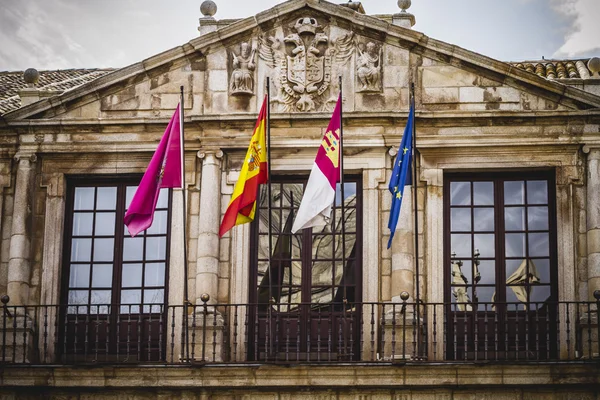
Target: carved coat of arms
[304, 62]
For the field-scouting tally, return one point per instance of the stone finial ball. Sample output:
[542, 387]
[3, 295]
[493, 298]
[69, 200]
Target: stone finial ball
[208, 8]
[31, 76]
[404, 4]
[594, 65]
[404, 296]
[5, 299]
[205, 297]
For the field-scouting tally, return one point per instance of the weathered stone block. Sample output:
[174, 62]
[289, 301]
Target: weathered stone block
[440, 95]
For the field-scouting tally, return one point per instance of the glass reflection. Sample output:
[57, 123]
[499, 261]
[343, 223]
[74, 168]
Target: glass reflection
[81, 250]
[485, 244]
[537, 192]
[460, 219]
[460, 193]
[514, 218]
[105, 224]
[461, 245]
[515, 244]
[106, 198]
[102, 276]
[79, 275]
[483, 219]
[539, 245]
[483, 193]
[514, 192]
[537, 218]
[84, 198]
[82, 224]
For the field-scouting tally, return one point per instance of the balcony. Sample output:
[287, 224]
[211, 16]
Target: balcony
[290, 334]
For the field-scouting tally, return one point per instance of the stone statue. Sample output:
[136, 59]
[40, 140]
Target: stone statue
[368, 68]
[242, 77]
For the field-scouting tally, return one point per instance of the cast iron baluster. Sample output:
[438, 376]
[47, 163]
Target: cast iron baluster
[107, 332]
[485, 332]
[455, 329]
[445, 328]
[597, 297]
[434, 332]
[57, 337]
[287, 337]
[268, 331]
[527, 309]
[319, 335]
[340, 343]
[589, 329]
[351, 329]
[256, 330]
[225, 345]
[128, 343]
[183, 333]
[172, 334]
[235, 334]
[537, 331]
[403, 310]
[308, 326]
[277, 333]
[205, 298]
[45, 334]
[96, 334]
[361, 330]
[161, 355]
[393, 332]
[149, 334]
[382, 355]
[506, 326]
[86, 332]
[415, 332]
[558, 329]
[548, 330]
[193, 333]
[466, 330]
[5, 299]
[298, 333]
[372, 332]
[476, 323]
[329, 333]
[422, 344]
[246, 344]
[518, 329]
[214, 335]
[25, 314]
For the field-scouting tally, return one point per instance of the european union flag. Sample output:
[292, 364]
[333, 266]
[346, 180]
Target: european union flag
[401, 173]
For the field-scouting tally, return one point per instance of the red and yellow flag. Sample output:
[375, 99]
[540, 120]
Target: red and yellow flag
[242, 206]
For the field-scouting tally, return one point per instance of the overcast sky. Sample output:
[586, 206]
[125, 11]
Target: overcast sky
[59, 34]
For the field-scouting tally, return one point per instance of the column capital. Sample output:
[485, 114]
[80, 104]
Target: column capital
[592, 151]
[25, 156]
[217, 153]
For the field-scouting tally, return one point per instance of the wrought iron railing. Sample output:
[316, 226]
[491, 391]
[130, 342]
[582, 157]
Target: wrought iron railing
[298, 333]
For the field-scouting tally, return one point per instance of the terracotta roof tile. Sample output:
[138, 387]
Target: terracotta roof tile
[556, 69]
[60, 80]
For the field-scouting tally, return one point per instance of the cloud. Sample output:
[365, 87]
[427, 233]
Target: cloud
[582, 37]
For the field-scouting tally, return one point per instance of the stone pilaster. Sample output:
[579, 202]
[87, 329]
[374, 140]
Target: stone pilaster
[403, 254]
[19, 263]
[207, 264]
[593, 221]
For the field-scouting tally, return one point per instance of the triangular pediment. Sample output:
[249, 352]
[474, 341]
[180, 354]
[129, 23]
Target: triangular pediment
[303, 46]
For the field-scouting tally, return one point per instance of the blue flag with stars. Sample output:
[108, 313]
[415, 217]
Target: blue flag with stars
[401, 173]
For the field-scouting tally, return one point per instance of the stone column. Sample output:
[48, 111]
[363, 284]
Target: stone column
[207, 264]
[593, 221]
[19, 263]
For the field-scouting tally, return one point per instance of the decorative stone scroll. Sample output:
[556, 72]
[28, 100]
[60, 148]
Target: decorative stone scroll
[243, 66]
[368, 67]
[305, 62]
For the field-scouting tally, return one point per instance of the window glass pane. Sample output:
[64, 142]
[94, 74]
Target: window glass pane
[541, 270]
[462, 272]
[485, 244]
[483, 193]
[105, 224]
[322, 247]
[349, 194]
[537, 218]
[133, 249]
[102, 275]
[156, 248]
[107, 198]
[539, 293]
[483, 219]
[537, 192]
[515, 244]
[460, 219]
[461, 245]
[460, 193]
[159, 224]
[323, 295]
[322, 272]
[78, 297]
[514, 218]
[154, 296]
[483, 294]
[516, 294]
[100, 297]
[514, 192]
[539, 245]
[130, 299]
[129, 192]
[82, 224]
[132, 275]
[81, 249]
[163, 198]
[79, 275]
[84, 198]
[154, 274]
[518, 272]
[104, 249]
[487, 272]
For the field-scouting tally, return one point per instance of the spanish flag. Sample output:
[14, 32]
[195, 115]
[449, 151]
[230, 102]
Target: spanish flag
[242, 206]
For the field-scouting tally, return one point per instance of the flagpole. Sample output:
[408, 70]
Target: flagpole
[416, 208]
[343, 219]
[186, 300]
[269, 194]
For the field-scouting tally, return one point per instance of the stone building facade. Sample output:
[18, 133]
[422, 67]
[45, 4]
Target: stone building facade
[508, 214]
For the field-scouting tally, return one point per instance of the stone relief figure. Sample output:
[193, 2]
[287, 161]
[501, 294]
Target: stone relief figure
[305, 63]
[244, 64]
[368, 67]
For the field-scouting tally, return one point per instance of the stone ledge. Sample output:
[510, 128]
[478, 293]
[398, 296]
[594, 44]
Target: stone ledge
[321, 376]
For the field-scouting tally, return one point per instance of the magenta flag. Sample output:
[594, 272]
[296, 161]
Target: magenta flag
[164, 171]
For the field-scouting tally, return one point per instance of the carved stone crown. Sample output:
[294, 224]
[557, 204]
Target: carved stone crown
[306, 24]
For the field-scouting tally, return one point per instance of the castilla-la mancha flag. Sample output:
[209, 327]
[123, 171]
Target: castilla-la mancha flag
[164, 171]
[242, 206]
[315, 207]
